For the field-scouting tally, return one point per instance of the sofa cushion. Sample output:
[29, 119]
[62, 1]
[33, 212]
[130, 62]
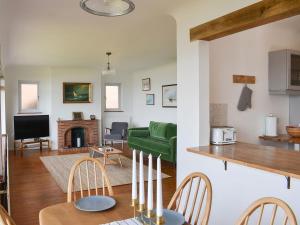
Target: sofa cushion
[171, 130]
[158, 130]
[152, 144]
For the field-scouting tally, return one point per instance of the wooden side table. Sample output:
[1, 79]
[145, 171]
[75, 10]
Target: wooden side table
[106, 152]
[22, 144]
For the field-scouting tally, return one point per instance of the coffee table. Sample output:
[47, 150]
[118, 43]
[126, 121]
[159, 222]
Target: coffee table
[106, 152]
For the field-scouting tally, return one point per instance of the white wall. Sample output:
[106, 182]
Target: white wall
[193, 77]
[247, 53]
[64, 111]
[142, 114]
[126, 95]
[133, 102]
[3, 30]
[51, 101]
[239, 186]
[31, 73]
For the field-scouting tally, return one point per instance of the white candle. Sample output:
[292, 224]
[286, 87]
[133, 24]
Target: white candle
[142, 190]
[78, 143]
[134, 186]
[159, 200]
[150, 185]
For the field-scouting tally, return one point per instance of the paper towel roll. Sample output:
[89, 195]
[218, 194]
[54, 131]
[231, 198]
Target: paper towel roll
[271, 125]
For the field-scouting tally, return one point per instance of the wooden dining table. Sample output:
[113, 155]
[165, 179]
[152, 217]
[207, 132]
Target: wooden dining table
[67, 214]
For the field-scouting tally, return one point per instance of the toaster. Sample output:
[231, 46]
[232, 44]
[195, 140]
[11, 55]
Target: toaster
[223, 135]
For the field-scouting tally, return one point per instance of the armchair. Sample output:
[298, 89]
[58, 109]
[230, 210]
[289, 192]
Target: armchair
[117, 132]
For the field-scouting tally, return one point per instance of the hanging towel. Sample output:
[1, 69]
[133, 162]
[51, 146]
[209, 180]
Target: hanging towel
[245, 99]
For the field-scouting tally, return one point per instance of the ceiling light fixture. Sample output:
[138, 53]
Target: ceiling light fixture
[109, 8]
[109, 70]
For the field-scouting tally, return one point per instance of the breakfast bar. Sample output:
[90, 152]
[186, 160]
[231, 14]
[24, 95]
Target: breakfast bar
[270, 159]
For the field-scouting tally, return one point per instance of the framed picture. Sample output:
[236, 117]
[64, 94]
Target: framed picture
[169, 96]
[77, 116]
[146, 85]
[150, 99]
[77, 92]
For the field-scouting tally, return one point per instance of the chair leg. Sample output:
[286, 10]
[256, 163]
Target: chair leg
[122, 145]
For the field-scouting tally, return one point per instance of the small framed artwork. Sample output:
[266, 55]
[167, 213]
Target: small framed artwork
[77, 92]
[169, 96]
[146, 85]
[150, 99]
[77, 116]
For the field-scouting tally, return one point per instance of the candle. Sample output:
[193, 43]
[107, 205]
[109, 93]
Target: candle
[134, 186]
[78, 143]
[142, 190]
[159, 201]
[150, 185]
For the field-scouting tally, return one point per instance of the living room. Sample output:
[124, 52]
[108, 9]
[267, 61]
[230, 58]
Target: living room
[208, 52]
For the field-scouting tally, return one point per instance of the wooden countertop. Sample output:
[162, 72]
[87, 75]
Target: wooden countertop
[281, 138]
[271, 159]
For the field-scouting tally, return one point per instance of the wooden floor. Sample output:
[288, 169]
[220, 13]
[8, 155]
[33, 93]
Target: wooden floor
[33, 188]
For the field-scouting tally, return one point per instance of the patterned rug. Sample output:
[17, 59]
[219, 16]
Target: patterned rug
[60, 166]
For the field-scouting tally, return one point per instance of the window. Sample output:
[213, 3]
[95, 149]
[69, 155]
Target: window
[28, 96]
[112, 97]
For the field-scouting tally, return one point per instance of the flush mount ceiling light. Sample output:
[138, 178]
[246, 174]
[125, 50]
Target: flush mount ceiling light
[109, 8]
[109, 70]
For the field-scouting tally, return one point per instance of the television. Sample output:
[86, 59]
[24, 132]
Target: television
[26, 127]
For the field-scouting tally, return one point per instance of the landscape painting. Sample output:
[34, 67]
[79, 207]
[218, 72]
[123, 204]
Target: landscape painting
[150, 99]
[169, 96]
[77, 92]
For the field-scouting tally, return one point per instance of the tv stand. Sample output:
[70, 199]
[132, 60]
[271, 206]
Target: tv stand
[22, 143]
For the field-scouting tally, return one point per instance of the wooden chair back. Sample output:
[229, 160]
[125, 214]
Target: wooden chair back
[5, 219]
[289, 216]
[196, 191]
[83, 170]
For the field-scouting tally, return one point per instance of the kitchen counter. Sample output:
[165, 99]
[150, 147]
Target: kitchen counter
[271, 159]
[283, 138]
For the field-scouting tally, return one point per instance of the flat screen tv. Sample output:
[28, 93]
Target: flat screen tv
[31, 126]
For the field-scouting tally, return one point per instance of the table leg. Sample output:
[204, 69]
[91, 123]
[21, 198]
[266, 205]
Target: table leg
[41, 145]
[105, 160]
[120, 161]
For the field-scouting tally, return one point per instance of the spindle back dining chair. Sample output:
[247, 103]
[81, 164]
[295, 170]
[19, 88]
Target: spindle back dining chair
[5, 219]
[79, 179]
[261, 204]
[196, 191]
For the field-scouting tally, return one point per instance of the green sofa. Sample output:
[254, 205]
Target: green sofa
[157, 139]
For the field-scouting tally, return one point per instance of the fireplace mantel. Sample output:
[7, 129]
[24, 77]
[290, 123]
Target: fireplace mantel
[65, 126]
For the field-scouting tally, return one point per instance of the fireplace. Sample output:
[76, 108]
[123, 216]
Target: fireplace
[77, 134]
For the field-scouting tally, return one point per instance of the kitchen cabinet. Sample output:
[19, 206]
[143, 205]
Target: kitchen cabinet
[284, 72]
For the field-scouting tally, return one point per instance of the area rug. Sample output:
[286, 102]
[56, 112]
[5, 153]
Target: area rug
[60, 167]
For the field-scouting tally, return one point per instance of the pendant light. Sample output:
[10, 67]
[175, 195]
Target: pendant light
[109, 70]
[108, 8]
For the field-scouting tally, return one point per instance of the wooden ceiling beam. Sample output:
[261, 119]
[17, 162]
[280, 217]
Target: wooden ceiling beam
[255, 15]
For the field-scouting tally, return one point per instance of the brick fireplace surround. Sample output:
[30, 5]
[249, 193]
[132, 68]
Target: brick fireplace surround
[90, 127]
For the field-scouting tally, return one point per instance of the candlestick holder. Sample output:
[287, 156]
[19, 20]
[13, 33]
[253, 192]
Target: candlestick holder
[142, 208]
[160, 220]
[142, 214]
[150, 214]
[134, 204]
